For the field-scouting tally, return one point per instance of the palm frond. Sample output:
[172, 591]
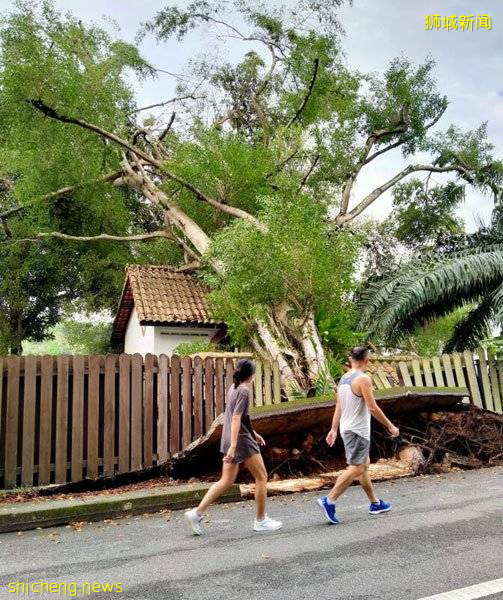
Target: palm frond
[392, 307]
[473, 328]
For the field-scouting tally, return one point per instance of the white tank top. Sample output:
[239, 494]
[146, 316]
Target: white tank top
[355, 415]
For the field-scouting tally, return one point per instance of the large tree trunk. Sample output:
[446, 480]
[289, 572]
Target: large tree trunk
[16, 337]
[296, 346]
[293, 342]
[312, 347]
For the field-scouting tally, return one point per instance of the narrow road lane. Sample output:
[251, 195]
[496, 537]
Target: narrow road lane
[445, 533]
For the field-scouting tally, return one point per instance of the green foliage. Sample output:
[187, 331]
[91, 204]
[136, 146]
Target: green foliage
[73, 336]
[294, 260]
[78, 71]
[395, 305]
[494, 345]
[405, 95]
[278, 133]
[195, 347]
[422, 216]
[431, 339]
[338, 329]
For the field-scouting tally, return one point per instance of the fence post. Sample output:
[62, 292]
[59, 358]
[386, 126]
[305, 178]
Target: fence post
[162, 409]
[174, 406]
[267, 383]
[472, 378]
[209, 389]
[493, 374]
[77, 417]
[219, 386]
[484, 376]
[458, 368]
[94, 427]
[28, 447]
[259, 394]
[60, 475]
[109, 416]
[437, 369]
[404, 370]
[276, 378]
[136, 411]
[11, 416]
[187, 400]
[428, 379]
[198, 397]
[46, 391]
[148, 401]
[124, 411]
[449, 376]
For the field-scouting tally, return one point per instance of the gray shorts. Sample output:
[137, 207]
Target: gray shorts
[356, 447]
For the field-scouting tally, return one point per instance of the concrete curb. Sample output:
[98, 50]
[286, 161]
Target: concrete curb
[30, 515]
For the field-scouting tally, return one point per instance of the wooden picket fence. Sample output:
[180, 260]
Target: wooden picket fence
[481, 372]
[67, 418]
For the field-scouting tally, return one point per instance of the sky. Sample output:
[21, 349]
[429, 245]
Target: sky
[469, 64]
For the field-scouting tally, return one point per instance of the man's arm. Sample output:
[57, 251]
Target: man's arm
[368, 395]
[332, 434]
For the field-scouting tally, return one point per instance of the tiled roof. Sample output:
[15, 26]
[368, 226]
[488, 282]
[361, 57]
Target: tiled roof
[162, 295]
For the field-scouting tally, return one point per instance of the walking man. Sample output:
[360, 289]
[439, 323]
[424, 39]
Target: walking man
[355, 404]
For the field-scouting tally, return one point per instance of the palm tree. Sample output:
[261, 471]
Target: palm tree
[417, 293]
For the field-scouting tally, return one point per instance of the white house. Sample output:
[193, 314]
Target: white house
[161, 308]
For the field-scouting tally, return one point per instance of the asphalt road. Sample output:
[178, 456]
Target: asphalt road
[445, 533]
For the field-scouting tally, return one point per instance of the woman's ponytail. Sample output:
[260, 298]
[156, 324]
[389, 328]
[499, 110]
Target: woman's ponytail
[245, 368]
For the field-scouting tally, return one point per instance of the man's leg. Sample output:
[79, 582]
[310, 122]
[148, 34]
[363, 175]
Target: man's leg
[367, 486]
[345, 479]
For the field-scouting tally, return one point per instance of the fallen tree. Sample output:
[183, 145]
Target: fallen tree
[295, 432]
[253, 175]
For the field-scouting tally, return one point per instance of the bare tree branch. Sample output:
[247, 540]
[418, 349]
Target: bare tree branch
[279, 167]
[142, 237]
[372, 197]
[307, 175]
[231, 210]
[404, 139]
[160, 104]
[375, 136]
[167, 129]
[53, 114]
[308, 94]
[113, 175]
[191, 266]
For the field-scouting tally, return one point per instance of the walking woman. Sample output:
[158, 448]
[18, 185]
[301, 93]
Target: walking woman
[239, 445]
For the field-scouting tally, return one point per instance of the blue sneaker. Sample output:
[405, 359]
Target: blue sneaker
[328, 509]
[379, 507]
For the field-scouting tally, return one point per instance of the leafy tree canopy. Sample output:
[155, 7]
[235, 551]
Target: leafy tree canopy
[251, 180]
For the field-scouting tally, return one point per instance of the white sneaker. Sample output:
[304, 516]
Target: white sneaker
[195, 521]
[267, 524]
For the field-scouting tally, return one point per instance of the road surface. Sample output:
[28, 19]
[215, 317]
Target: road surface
[445, 533]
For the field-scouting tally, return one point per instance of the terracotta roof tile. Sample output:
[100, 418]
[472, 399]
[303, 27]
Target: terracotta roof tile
[162, 295]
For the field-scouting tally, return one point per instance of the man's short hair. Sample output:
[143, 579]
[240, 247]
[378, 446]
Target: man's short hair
[359, 353]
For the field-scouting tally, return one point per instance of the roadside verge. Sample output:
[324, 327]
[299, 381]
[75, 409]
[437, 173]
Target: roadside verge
[48, 513]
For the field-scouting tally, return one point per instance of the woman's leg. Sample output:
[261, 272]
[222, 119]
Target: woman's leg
[229, 474]
[255, 464]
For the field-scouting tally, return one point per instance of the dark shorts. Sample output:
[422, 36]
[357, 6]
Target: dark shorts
[356, 447]
[246, 446]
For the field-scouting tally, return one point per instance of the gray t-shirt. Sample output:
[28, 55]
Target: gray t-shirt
[238, 401]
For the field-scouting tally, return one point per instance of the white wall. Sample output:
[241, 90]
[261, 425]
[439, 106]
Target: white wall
[166, 339]
[156, 339]
[138, 339]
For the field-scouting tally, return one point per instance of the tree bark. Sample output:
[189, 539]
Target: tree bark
[312, 347]
[16, 337]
